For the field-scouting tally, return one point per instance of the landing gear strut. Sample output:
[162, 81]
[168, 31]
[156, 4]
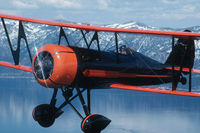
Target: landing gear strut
[45, 114]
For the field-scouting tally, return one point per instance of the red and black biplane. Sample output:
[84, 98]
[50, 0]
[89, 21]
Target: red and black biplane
[74, 70]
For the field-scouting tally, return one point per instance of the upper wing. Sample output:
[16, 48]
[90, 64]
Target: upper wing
[94, 28]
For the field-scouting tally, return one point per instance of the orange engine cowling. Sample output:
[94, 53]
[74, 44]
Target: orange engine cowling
[55, 66]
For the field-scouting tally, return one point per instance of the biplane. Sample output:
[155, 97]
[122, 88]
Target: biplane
[74, 70]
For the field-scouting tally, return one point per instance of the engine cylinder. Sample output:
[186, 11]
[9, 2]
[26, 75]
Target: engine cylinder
[55, 66]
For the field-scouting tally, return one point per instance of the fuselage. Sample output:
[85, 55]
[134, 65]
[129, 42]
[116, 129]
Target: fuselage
[100, 68]
[56, 66]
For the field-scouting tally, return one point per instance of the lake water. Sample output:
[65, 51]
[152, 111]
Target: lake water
[130, 111]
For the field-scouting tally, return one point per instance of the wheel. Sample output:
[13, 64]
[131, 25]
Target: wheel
[44, 114]
[94, 123]
[183, 80]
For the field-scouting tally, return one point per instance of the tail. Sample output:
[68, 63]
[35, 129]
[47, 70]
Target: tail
[183, 54]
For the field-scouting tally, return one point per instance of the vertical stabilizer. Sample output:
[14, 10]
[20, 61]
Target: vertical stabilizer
[183, 53]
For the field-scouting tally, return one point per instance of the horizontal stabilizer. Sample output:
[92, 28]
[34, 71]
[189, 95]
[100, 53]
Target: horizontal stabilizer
[184, 69]
[19, 67]
[155, 90]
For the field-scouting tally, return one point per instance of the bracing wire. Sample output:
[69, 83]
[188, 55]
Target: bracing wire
[143, 61]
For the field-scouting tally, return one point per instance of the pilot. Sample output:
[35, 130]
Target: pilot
[122, 50]
[125, 51]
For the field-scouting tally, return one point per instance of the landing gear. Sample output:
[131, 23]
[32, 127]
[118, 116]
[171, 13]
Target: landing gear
[183, 80]
[46, 114]
[94, 123]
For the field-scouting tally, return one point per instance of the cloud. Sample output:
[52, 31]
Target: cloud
[176, 16]
[177, 12]
[24, 4]
[12, 12]
[189, 8]
[170, 1]
[60, 16]
[103, 4]
[62, 3]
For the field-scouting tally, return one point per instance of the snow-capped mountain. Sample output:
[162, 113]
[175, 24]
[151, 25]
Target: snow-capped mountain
[156, 47]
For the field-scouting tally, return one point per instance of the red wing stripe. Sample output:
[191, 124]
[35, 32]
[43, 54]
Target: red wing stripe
[184, 69]
[114, 74]
[154, 76]
[155, 90]
[19, 67]
[94, 28]
[102, 74]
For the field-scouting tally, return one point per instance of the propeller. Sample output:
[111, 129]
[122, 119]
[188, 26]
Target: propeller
[43, 65]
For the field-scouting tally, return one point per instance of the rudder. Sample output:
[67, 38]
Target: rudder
[183, 53]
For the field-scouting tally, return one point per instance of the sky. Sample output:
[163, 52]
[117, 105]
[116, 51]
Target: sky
[157, 13]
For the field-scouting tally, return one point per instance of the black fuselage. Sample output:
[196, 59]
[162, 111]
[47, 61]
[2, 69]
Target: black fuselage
[146, 70]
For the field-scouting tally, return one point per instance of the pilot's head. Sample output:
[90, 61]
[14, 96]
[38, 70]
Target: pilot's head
[122, 49]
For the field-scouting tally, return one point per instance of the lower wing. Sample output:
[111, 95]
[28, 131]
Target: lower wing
[183, 69]
[120, 86]
[154, 90]
[19, 67]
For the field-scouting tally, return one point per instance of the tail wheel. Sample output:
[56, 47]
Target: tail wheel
[183, 80]
[44, 114]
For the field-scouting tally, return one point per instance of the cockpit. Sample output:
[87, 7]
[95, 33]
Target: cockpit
[125, 50]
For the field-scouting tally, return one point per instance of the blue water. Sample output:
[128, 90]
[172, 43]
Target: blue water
[130, 111]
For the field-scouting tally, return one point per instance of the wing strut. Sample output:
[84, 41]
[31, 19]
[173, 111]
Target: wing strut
[89, 100]
[94, 38]
[117, 48]
[174, 84]
[190, 73]
[181, 69]
[85, 39]
[21, 35]
[62, 34]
